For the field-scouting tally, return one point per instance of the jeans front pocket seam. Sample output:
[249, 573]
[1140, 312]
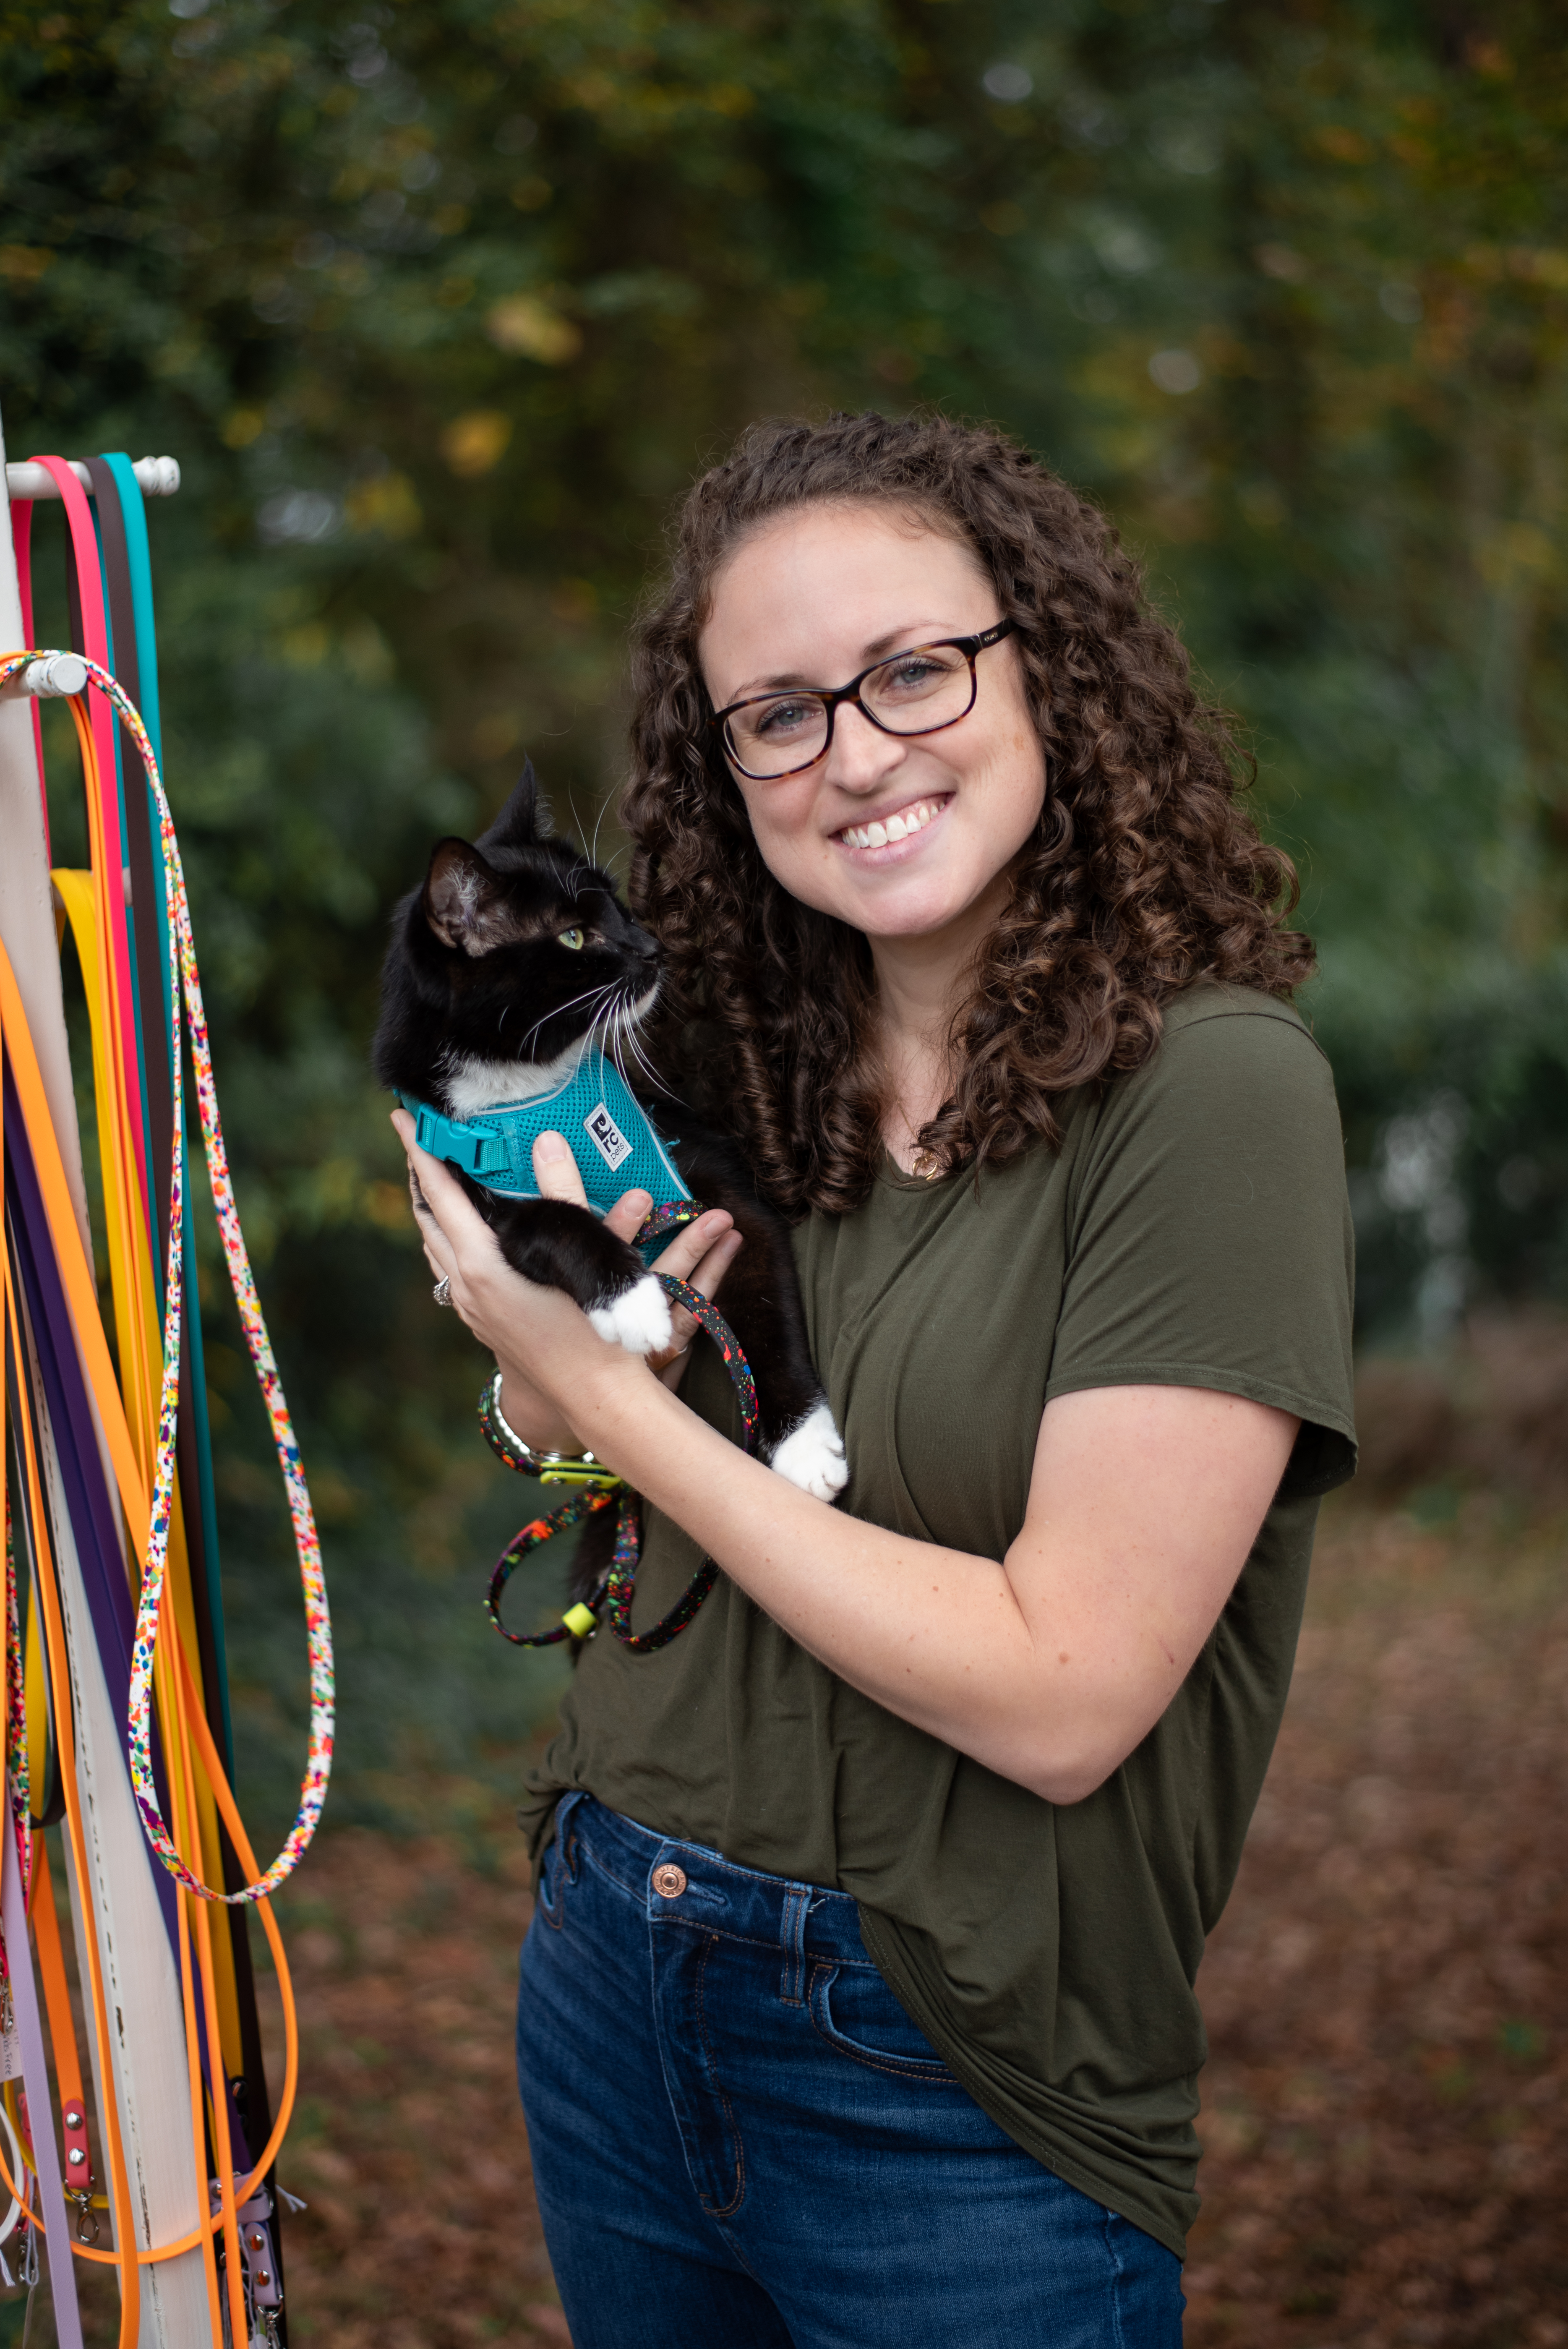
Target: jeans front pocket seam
[560, 1855]
[917, 2069]
[725, 2209]
[544, 1906]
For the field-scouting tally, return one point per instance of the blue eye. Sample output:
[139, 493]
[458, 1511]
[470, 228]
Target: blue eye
[785, 717]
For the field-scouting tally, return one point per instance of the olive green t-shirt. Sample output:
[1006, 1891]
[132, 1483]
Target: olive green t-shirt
[1192, 1230]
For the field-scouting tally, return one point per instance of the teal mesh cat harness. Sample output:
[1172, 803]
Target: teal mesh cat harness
[607, 1131]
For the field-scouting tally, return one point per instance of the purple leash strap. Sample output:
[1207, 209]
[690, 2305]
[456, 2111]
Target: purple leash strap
[36, 2080]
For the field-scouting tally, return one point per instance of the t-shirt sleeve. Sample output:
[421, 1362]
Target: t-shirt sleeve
[1209, 1240]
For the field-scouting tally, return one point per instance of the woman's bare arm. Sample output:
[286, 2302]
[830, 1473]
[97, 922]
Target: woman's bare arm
[1048, 1665]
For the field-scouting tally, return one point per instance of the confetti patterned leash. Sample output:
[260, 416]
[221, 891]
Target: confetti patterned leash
[318, 1629]
[616, 1590]
[17, 1757]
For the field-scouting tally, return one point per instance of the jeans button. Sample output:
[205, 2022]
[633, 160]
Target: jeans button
[669, 1881]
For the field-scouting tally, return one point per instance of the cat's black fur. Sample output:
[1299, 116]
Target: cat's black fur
[477, 985]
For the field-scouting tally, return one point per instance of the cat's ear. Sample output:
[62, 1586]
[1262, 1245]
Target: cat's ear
[524, 819]
[464, 901]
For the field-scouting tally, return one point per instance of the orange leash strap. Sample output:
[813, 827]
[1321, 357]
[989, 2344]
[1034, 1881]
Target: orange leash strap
[79, 2177]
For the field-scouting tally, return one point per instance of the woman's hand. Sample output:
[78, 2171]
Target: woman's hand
[543, 1343]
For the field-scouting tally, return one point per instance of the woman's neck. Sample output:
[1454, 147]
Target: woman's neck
[921, 983]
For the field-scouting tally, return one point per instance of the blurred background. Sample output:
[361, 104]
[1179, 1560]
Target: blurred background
[441, 307]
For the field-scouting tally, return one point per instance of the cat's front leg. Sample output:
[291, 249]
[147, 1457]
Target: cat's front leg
[565, 1247]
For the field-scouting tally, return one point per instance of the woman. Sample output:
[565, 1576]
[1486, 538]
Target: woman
[858, 2005]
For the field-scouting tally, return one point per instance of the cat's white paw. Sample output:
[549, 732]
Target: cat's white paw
[638, 1318]
[812, 1456]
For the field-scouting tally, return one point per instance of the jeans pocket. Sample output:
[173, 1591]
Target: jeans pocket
[855, 2012]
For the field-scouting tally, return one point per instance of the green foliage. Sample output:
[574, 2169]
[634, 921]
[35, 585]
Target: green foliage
[440, 307]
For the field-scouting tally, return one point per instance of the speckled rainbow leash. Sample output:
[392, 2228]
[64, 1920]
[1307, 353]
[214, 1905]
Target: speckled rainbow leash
[617, 1588]
[17, 1757]
[182, 973]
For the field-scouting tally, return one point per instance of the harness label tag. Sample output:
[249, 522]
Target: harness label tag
[607, 1138]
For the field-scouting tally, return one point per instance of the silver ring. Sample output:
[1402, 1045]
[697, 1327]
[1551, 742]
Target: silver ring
[442, 1291]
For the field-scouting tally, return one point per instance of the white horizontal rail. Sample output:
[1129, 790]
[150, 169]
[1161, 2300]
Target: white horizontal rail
[158, 477]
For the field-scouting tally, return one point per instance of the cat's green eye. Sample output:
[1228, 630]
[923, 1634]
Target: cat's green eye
[575, 939]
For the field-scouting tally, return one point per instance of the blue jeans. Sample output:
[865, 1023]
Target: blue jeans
[741, 2141]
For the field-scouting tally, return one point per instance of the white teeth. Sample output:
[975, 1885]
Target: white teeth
[897, 827]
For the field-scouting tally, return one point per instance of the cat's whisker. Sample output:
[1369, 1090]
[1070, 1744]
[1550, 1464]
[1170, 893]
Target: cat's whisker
[612, 1039]
[604, 1013]
[647, 1066]
[627, 1021]
[588, 996]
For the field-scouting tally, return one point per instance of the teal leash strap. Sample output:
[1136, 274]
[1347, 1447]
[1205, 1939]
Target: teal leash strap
[139, 563]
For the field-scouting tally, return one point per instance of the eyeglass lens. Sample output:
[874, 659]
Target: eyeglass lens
[914, 694]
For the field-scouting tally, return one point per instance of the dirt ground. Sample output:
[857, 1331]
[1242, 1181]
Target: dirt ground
[1385, 2160]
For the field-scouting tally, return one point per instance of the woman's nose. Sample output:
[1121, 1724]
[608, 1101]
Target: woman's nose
[861, 755]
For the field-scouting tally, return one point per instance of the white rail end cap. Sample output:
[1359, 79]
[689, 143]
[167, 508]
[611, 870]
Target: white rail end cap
[53, 678]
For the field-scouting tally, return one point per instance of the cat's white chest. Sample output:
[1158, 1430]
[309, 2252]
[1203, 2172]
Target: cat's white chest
[471, 1087]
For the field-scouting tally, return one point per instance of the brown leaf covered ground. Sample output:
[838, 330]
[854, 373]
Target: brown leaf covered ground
[1387, 2000]
[1387, 1995]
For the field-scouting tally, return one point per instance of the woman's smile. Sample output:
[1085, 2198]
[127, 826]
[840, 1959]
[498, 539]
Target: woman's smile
[894, 836]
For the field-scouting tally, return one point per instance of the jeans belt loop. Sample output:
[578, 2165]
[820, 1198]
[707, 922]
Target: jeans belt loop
[792, 1933]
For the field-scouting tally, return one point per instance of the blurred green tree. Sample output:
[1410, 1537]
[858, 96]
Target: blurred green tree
[441, 307]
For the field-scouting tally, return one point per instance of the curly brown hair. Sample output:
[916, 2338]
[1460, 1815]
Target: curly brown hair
[1144, 873]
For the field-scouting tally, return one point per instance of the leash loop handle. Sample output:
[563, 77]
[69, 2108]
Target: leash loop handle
[184, 990]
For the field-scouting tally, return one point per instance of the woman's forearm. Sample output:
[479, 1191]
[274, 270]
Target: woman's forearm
[541, 1428]
[936, 1635]
[1049, 1666]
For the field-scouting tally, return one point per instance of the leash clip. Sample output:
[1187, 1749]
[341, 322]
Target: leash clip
[592, 1480]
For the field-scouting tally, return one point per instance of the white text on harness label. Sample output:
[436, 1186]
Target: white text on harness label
[607, 1138]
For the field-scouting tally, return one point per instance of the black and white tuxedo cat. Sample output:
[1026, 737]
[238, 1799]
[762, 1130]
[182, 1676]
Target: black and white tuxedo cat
[514, 961]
